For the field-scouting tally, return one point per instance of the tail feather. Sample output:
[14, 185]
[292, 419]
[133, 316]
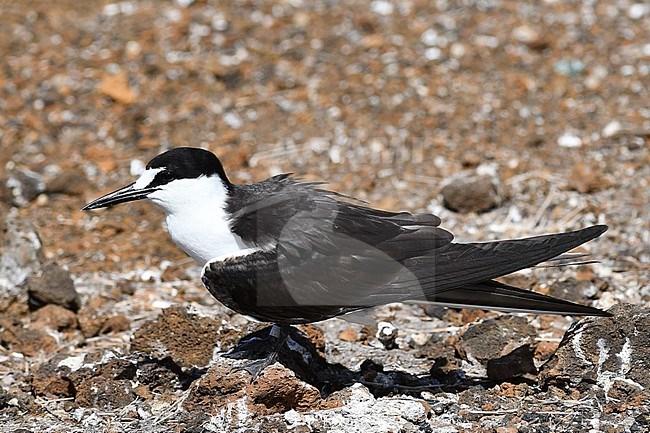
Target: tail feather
[493, 295]
[463, 264]
[462, 275]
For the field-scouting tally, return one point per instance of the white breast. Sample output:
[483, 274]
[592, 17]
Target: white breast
[196, 217]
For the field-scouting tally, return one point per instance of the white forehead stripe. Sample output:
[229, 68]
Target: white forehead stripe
[146, 177]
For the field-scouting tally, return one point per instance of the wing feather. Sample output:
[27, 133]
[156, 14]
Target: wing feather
[332, 252]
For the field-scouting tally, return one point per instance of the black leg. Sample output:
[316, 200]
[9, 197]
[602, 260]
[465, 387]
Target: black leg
[279, 334]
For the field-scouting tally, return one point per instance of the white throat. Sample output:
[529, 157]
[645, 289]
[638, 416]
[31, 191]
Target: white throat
[196, 217]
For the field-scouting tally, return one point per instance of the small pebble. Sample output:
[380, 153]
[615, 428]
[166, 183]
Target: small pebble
[382, 7]
[137, 167]
[433, 53]
[638, 11]
[420, 338]
[53, 286]
[525, 34]
[429, 37]
[386, 334]
[472, 193]
[233, 120]
[612, 128]
[568, 67]
[569, 140]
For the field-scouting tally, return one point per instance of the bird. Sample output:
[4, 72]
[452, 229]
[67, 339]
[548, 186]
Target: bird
[289, 252]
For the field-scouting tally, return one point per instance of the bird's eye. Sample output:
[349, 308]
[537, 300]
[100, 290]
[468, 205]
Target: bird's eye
[165, 175]
[162, 178]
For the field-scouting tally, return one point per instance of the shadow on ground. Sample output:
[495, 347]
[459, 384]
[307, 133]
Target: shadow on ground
[307, 361]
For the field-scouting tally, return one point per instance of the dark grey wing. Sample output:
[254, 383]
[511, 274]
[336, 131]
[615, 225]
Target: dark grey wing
[338, 253]
[252, 284]
[330, 251]
[260, 213]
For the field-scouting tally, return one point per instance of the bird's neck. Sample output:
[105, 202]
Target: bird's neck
[197, 220]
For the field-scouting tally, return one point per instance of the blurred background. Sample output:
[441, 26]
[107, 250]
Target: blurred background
[388, 101]
[504, 118]
[385, 100]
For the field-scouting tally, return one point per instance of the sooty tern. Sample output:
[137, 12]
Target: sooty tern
[290, 252]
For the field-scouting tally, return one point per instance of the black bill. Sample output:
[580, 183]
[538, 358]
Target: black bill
[122, 195]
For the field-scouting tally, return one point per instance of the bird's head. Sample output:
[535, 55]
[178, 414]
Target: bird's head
[173, 179]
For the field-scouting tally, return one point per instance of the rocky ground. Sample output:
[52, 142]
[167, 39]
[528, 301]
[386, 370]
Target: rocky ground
[504, 118]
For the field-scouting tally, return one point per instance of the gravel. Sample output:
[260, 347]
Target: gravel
[389, 101]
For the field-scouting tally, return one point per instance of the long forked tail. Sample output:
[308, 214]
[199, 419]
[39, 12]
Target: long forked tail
[463, 274]
[462, 264]
[494, 295]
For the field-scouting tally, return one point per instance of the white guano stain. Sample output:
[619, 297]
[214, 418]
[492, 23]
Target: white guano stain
[577, 348]
[607, 379]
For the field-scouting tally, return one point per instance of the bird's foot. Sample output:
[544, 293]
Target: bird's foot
[276, 338]
[256, 366]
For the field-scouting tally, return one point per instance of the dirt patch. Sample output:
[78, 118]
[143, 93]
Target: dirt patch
[187, 338]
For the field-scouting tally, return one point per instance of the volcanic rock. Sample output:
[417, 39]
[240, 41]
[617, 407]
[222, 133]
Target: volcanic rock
[22, 255]
[472, 194]
[53, 286]
[494, 338]
[187, 338]
[612, 353]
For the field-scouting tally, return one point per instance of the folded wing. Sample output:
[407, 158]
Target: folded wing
[332, 252]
